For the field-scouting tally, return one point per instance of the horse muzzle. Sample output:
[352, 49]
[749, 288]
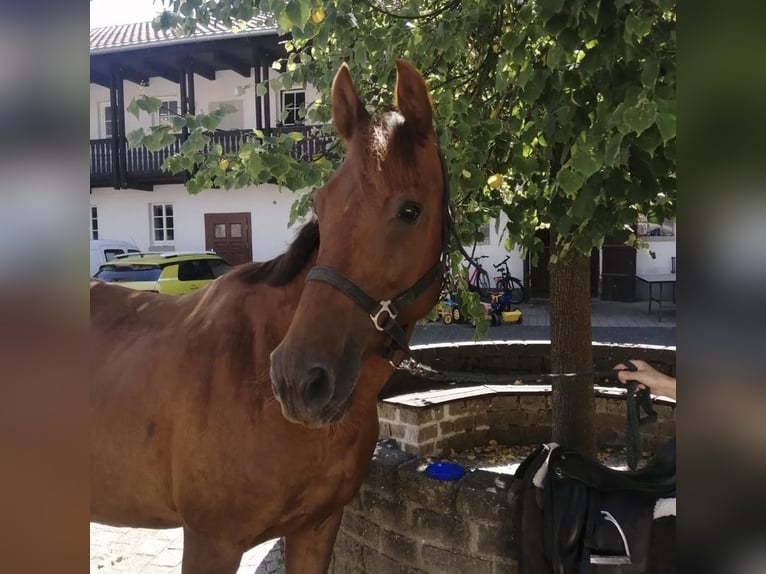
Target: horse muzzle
[311, 393]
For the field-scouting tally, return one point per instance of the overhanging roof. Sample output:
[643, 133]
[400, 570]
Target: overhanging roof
[140, 52]
[142, 35]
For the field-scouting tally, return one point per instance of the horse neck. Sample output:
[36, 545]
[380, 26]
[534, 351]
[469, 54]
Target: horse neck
[271, 309]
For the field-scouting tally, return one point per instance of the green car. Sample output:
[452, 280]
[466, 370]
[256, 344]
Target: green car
[168, 273]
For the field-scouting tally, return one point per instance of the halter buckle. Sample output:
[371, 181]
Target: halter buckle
[385, 306]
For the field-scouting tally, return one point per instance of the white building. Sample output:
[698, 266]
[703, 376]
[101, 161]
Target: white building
[132, 199]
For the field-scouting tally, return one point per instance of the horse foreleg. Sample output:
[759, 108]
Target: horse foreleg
[208, 554]
[308, 551]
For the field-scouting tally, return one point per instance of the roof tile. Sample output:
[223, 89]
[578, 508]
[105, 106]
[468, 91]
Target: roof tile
[138, 34]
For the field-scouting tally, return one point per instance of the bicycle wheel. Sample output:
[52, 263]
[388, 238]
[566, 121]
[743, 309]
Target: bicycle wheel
[515, 289]
[482, 283]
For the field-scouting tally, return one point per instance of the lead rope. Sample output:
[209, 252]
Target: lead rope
[636, 400]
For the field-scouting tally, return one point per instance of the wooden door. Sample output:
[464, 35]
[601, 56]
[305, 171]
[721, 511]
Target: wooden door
[229, 235]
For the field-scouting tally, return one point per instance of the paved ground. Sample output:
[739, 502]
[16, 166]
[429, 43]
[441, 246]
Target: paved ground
[613, 322]
[143, 551]
[139, 551]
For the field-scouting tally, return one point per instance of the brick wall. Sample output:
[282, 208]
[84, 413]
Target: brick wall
[518, 417]
[403, 522]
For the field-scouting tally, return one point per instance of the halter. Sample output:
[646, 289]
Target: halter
[384, 313]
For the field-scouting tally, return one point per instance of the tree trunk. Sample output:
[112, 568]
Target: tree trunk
[574, 406]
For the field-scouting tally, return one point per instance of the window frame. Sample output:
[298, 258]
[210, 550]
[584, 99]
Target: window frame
[168, 121]
[294, 110]
[105, 115]
[486, 240]
[164, 242]
[94, 219]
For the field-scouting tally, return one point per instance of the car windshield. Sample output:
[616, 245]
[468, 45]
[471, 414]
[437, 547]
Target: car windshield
[119, 273]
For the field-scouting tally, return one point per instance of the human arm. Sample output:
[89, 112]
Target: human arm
[647, 377]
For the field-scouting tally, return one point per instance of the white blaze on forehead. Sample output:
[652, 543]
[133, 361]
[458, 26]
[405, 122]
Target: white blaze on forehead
[380, 132]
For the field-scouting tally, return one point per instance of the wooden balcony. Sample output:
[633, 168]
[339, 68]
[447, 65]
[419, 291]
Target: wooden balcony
[143, 168]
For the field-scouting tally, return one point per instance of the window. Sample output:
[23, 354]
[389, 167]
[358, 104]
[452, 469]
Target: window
[132, 273]
[291, 103]
[163, 227]
[202, 270]
[110, 254]
[219, 267]
[194, 271]
[93, 222]
[168, 111]
[647, 228]
[484, 232]
[106, 120]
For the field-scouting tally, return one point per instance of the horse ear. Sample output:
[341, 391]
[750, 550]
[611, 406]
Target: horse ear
[412, 98]
[347, 110]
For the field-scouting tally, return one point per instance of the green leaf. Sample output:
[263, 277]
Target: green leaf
[649, 72]
[592, 8]
[612, 151]
[148, 104]
[555, 55]
[133, 108]
[569, 180]
[548, 8]
[666, 123]
[178, 123]
[295, 136]
[136, 138]
[510, 40]
[640, 117]
[586, 161]
[526, 14]
[298, 13]
[260, 90]
[227, 108]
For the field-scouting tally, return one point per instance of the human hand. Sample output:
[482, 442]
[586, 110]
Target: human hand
[647, 377]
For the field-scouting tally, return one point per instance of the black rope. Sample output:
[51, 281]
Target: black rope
[465, 378]
[636, 399]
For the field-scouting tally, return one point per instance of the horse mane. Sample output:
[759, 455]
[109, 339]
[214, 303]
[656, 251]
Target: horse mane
[284, 268]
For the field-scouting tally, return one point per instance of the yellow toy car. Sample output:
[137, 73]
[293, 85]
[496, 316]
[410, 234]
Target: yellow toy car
[168, 273]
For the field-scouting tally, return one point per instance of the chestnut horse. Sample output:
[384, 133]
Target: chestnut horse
[248, 410]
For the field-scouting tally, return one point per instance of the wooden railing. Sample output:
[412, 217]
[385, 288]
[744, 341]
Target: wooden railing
[145, 166]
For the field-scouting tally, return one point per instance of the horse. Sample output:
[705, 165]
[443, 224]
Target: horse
[247, 411]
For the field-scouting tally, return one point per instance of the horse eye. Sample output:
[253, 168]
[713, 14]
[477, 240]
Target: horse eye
[409, 212]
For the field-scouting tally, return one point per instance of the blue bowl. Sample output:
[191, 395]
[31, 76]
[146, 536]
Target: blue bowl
[445, 471]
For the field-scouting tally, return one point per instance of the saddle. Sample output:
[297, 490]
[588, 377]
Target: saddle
[593, 519]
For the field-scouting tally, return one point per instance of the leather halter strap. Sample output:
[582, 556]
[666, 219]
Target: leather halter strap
[384, 313]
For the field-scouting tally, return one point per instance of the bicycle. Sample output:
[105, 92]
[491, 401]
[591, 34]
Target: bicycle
[478, 280]
[508, 283]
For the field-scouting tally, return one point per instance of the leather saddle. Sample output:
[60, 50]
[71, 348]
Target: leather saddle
[593, 519]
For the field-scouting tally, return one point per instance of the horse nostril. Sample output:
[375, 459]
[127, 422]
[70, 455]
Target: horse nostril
[317, 387]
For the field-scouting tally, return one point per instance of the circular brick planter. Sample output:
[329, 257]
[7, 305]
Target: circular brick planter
[404, 522]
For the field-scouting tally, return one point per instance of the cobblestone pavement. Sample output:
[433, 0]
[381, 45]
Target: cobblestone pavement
[144, 551]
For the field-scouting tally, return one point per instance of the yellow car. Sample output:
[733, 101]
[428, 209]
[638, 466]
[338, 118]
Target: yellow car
[169, 273]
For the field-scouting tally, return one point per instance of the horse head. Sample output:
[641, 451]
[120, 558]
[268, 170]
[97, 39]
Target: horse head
[381, 221]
